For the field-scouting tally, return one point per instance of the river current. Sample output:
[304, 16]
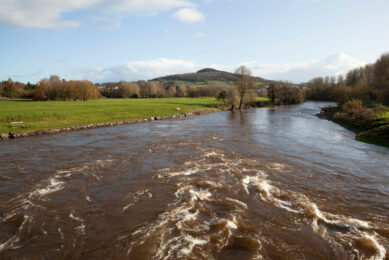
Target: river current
[256, 184]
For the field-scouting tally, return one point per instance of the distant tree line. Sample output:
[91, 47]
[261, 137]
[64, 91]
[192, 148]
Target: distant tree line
[56, 89]
[49, 89]
[284, 93]
[11, 89]
[156, 89]
[241, 92]
[369, 84]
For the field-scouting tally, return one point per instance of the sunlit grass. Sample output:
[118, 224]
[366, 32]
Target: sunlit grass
[51, 114]
[263, 99]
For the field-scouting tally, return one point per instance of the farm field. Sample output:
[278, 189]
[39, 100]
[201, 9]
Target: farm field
[38, 115]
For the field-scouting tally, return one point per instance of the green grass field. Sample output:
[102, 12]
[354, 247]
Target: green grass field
[52, 114]
[263, 99]
[383, 117]
[386, 115]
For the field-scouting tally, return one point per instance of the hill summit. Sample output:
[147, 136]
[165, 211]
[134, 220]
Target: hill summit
[206, 70]
[206, 75]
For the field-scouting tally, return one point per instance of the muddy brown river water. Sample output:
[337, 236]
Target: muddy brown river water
[257, 184]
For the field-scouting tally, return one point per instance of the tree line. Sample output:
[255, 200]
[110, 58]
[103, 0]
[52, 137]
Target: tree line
[284, 93]
[238, 93]
[361, 95]
[52, 88]
[56, 89]
[156, 89]
[10, 89]
[369, 84]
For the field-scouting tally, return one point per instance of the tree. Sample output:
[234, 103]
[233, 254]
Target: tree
[172, 91]
[181, 91]
[272, 93]
[243, 82]
[40, 92]
[222, 95]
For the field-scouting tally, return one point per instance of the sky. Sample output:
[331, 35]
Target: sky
[113, 40]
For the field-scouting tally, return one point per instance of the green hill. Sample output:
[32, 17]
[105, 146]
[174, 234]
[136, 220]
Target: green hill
[205, 77]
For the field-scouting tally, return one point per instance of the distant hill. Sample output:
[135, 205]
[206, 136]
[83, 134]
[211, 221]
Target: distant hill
[207, 75]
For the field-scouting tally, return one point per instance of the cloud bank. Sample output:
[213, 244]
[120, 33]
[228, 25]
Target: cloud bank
[303, 71]
[296, 72]
[189, 15]
[50, 14]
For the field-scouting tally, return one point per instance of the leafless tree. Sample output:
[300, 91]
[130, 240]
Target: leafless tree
[243, 82]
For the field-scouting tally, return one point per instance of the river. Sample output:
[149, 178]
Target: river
[257, 184]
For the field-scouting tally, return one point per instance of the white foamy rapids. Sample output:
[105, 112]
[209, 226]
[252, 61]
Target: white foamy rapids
[216, 138]
[53, 185]
[81, 226]
[238, 202]
[183, 227]
[371, 242]
[193, 194]
[186, 172]
[276, 166]
[192, 243]
[338, 220]
[259, 184]
[267, 192]
[231, 224]
[84, 167]
[134, 198]
[11, 243]
[355, 229]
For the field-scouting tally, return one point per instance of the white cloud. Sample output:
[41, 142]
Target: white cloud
[143, 7]
[40, 13]
[189, 15]
[303, 71]
[139, 70]
[295, 72]
[49, 14]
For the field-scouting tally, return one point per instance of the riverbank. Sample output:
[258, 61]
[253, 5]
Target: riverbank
[6, 136]
[49, 117]
[373, 130]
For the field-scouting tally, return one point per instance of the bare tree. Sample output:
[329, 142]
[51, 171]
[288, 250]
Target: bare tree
[243, 82]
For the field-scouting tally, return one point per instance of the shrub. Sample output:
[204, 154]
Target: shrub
[354, 109]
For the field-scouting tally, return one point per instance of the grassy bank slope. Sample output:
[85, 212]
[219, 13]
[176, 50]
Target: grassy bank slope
[369, 129]
[379, 132]
[39, 115]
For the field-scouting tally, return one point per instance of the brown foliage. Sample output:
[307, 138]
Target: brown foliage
[55, 89]
[243, 82]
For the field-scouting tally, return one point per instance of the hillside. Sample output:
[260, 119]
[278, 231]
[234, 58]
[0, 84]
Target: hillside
[205, 76]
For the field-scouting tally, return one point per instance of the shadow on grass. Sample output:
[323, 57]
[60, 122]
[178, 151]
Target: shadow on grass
[21, 100]
[196, 105]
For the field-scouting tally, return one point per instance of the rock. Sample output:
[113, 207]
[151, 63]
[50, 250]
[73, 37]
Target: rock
[17, 135]
[4, 136]
[178, 109]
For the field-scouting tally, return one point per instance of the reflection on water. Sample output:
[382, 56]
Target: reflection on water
[268, 183]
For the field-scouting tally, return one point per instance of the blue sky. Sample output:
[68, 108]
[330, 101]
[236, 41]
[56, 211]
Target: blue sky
[114, 40]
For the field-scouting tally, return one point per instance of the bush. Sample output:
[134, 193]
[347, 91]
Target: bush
[356, 110]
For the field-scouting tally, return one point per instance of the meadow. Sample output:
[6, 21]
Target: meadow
[37, 115]
[263, 99]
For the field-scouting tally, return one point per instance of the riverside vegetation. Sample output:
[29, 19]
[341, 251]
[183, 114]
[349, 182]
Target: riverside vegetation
[54, 114]
[362, 98]
[54, 103]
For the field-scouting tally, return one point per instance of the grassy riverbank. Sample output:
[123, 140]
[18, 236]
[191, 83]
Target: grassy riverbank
[370, 125]
[37, 115]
